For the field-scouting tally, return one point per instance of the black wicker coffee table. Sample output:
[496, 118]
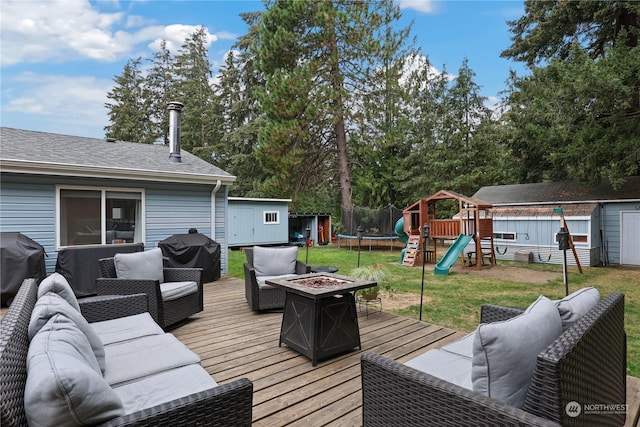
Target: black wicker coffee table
[320, 318]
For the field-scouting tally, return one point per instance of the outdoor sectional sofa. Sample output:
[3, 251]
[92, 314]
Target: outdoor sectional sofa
[520, 367]
[107, 364]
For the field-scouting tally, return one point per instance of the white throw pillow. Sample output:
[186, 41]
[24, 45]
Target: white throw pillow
[505, 353]
[575, 305]
[51, 304]
[140, 265]
[64, 386]
[274, 261]
[57, 283]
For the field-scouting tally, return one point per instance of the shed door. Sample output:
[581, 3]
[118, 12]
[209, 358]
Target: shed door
[241, 226]
[630, 238]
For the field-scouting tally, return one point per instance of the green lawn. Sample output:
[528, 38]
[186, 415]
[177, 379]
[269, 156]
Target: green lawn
[454, 301]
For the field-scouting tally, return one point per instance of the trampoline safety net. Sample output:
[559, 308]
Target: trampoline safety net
[374, 222]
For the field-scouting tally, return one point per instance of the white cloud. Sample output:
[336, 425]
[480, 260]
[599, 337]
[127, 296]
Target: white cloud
[424, 6]
[79, 105]
[55, 31]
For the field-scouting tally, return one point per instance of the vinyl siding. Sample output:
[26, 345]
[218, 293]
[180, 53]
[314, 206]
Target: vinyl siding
[27, 205]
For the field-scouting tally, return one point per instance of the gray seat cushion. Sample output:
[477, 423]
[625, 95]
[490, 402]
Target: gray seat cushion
[263, 279]
[463, 347]
[445, 365]
[173, 290]
[64, 385]
[152, 390]
[135, 359]
[504, 353]
[126, 328]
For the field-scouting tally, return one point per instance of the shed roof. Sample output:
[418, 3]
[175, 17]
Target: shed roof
[556, 192]
[568, 210]
[43, 153]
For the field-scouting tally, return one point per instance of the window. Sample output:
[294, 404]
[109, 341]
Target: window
[580, 239]
[504, 236]
[271, 217]
[95, 216]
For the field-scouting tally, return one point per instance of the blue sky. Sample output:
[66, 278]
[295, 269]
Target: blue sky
[58, 58]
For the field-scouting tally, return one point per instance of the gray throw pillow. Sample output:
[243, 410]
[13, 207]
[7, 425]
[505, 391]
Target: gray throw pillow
[64, 385]
[505, 353]
[140, 265]
[274, 261]
[57, 283]
[575, 305]
[51, 304]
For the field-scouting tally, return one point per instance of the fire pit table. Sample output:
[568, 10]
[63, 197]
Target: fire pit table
[320, 318]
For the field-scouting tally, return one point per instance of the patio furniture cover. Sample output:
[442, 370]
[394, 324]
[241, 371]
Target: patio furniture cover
[79, 264]
[193, 250]
[20, 258]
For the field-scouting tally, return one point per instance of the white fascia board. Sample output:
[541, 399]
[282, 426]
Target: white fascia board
[40, 168]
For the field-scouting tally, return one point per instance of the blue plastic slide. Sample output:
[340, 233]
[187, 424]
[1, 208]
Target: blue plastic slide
[402, 236]
[452, 254]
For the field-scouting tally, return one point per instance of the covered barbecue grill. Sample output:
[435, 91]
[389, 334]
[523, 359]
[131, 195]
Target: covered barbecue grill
[20, 258]
[192, 250]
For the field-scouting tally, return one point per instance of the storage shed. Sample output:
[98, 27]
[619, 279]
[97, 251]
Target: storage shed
[319, 227]
[258, 221]
[604, 223]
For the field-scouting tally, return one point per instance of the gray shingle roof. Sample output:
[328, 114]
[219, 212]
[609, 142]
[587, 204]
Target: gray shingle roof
[549, 192]
[42, 152]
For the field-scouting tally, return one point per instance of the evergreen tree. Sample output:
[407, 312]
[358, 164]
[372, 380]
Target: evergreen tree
[577, 115]
[160, 82]
[319, 59]
[128, 112]
[200, 122]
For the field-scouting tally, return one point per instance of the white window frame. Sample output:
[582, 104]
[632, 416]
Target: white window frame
[268, 221]
[502, 239]
[103, 214]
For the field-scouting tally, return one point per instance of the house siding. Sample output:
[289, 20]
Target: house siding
[28, 206]
[537, 235]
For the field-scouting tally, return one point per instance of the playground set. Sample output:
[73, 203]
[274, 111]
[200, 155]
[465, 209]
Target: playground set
[473, 224]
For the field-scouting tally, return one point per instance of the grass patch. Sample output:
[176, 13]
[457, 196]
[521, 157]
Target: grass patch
[454, 301]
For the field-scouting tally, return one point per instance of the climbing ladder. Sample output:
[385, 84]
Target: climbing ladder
[411, 252]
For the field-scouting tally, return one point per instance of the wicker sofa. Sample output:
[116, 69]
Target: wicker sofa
[264, 263]
[584, 366]
[166, 310]
[184, 394]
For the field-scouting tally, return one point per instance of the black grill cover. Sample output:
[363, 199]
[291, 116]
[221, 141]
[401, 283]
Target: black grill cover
[20, 258]
[193, 251]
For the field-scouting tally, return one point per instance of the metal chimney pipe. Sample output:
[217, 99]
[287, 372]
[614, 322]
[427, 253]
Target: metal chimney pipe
[175, 108]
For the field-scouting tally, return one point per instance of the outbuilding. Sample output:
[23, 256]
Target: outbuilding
[258, 221]
[604, 223]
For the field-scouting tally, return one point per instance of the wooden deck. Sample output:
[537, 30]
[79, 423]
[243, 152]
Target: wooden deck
[235, 342]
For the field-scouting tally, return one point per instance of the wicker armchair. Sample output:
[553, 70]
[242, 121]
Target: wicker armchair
[228, 404]
[586, 364]
[265, 297]
[165, 313]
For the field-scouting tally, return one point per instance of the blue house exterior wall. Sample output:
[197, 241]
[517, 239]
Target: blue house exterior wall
[27, 205]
